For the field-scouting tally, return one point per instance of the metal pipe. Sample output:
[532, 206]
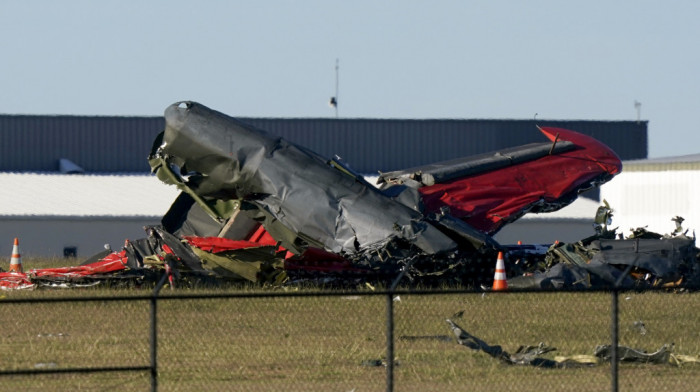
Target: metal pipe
[389, 343]
[614, 338]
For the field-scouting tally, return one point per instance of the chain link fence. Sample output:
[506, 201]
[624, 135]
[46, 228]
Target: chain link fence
[365, 340]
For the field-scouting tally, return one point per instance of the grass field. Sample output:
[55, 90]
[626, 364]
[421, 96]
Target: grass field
[329, 343]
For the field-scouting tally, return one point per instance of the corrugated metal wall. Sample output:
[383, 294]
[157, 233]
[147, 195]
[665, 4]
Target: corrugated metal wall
[371, 145]
[122, 144]
[97, 144]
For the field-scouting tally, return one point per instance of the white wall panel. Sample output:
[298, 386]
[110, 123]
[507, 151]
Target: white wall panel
[653, 198]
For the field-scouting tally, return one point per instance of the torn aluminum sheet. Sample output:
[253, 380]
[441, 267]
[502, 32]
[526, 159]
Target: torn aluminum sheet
[301, 198]
[190, 262]
[111, 269]
[525, 355]
[15, 281]
[627, 354]
[426, 220]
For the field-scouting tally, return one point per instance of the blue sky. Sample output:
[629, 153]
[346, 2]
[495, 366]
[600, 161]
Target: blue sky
[397, 59]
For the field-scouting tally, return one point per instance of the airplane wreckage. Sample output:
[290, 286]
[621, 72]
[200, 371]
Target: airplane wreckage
[256, 208]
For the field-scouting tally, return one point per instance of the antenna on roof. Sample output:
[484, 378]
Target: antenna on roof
[638, 106]
[334, 99]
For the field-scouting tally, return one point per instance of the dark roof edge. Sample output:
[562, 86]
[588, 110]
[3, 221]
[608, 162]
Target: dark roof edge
[110, 218]
[539, 120]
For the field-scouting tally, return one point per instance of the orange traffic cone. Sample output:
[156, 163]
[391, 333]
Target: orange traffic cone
[16, 260]
[499, 278]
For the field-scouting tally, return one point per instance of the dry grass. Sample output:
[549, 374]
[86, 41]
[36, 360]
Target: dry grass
[323, 343]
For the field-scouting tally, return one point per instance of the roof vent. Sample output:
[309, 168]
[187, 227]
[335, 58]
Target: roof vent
[66, 166]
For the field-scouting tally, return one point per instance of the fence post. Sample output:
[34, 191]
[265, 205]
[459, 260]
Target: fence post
[389, 342]
[614, 324]
[154, 333]
[614, 330]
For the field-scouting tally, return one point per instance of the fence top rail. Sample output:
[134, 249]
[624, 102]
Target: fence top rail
[319, 293]
[34, 372]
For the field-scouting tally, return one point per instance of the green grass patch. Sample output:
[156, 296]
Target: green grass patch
[326, 342]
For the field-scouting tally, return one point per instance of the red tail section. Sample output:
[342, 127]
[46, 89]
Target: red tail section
[487, 201]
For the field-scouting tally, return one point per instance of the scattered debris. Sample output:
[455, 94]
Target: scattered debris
[626, 354]
[377, 363]
[531, 355]
[525, 355]
[422, 224]
[255, 208]
[640, 327]
[642, 260]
